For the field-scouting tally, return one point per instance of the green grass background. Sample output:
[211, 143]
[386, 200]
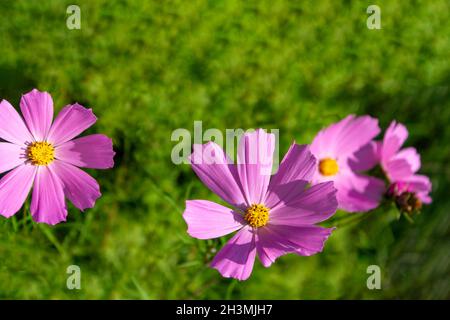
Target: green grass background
[149, 67]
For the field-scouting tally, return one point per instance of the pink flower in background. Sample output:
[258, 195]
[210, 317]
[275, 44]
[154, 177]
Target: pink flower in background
[274, 215]
[335, 148]
[43, 155]
[401, 165]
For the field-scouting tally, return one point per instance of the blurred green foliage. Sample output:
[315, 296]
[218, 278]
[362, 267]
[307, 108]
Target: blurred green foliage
[149, 67]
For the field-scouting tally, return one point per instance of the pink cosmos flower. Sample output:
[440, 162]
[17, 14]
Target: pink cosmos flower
[335, 148]
[401, 165]
[44, 156]
[274, 215]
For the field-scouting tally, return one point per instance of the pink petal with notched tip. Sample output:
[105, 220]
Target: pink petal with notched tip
[254, 164]
[236, 258]
[270, 246]
[14, 189]
[94, 151]
[215, 170]
[277, 240]
[79, 187]
[37, 110]
[395, 136]
[12, 127]
[313, 205]
[208, 220]
[343, 138]
[47, 203]
[70, 122]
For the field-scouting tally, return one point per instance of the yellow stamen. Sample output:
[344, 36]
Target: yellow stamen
[257, 215]
[41, 153]
[328, 167]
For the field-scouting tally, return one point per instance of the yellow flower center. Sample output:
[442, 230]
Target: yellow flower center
[41, 153]
[328, 167]
[257, 215]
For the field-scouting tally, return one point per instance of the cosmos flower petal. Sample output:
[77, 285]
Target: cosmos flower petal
[298, 165]
[303, 240]
[11, 156]
[424, 197]
[79, 187]
[14, 189]
[395, 136]
[208, 220]
[411, 156]
[237, 257]
[47, 203]
[398, 169]
[345, 137]
[12, 127]
[400, 165]
[93, 151]
[356, 134]
[37, 110]
[313, 205]
[259, 232]
[49, 167]
[254, 164]
[70, 122]
[358, 193]
[215, 170]
[325, 142]
[366, 158]
[421, 185]
[270, 246]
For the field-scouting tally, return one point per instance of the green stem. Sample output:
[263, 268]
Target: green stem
[51, 237]
[14, 223]
[359, 217]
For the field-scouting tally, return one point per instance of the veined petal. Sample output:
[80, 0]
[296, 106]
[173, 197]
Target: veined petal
[208, 220]
[298, 165]
[393, 139]
[70, 122]
[358, 193]
[14, 189]
[276, 240]
[343, 138]
[313, 205]
[12, 127]
[79, 187]
[254, 164]
[270, 246]
[215, 170]
[37, 110]
[94, 151]
[366, 158]
[47, 203]
[325, 142]
[236, 258]
[11, 156]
